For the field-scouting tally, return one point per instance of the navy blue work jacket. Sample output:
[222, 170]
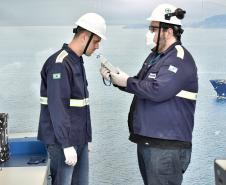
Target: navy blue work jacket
[65, 114]
[165, 92]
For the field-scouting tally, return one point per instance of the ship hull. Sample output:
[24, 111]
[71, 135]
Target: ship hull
[219, 86]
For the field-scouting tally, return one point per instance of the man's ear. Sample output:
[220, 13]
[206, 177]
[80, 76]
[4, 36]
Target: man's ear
[84, 36]
[170, 30]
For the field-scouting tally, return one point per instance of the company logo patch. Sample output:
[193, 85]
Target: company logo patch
[167, 10]
[56, 76]
[173, 69]
[152, 75]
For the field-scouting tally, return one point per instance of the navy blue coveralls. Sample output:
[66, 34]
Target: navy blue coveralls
[65, 115]
[165, 92]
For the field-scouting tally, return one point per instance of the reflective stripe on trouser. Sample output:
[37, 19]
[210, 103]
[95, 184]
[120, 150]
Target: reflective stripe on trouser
[73, 102]
[187, 95]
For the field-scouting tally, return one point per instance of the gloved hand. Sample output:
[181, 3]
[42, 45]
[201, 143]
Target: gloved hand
[120, 78]
[70, 156]
[105, 73]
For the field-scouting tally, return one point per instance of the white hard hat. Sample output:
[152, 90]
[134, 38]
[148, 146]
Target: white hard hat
[160, 11]
[93, 23]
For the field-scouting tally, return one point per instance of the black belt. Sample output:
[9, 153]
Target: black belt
[161, 143]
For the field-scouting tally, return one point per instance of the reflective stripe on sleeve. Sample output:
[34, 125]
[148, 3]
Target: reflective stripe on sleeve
[73, 102]
[187, 95]
[43, 101]
[79, 103]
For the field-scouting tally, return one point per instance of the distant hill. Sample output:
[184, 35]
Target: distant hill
[135, 26]
[217, 21]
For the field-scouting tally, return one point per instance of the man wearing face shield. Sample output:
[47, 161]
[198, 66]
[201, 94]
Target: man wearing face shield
[161, 116]
[64, 124]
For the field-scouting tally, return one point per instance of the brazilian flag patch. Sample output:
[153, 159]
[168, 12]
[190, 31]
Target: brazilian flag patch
[56, 76]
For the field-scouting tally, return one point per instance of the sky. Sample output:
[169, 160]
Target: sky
[197, 10]
[65, 12]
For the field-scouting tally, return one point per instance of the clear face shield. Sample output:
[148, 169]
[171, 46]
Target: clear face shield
[150, 39]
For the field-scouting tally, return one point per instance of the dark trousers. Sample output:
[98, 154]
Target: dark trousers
[162, 166]
[63, 174]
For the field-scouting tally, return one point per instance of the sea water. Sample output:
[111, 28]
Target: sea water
[113, 161]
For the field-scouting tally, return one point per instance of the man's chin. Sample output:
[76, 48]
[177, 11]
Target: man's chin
[88, 54]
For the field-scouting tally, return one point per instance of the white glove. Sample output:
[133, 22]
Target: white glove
[105, 73]
[120, 78]
[70, 156]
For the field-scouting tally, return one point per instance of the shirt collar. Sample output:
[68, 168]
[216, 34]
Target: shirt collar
[72, 53]
[169, 48]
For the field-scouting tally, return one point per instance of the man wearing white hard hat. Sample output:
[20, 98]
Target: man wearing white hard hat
[161, 117]
[64, 124]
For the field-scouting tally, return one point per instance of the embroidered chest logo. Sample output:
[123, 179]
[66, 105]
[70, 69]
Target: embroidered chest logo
[56, 76]
[173, 69]
[152, 75]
